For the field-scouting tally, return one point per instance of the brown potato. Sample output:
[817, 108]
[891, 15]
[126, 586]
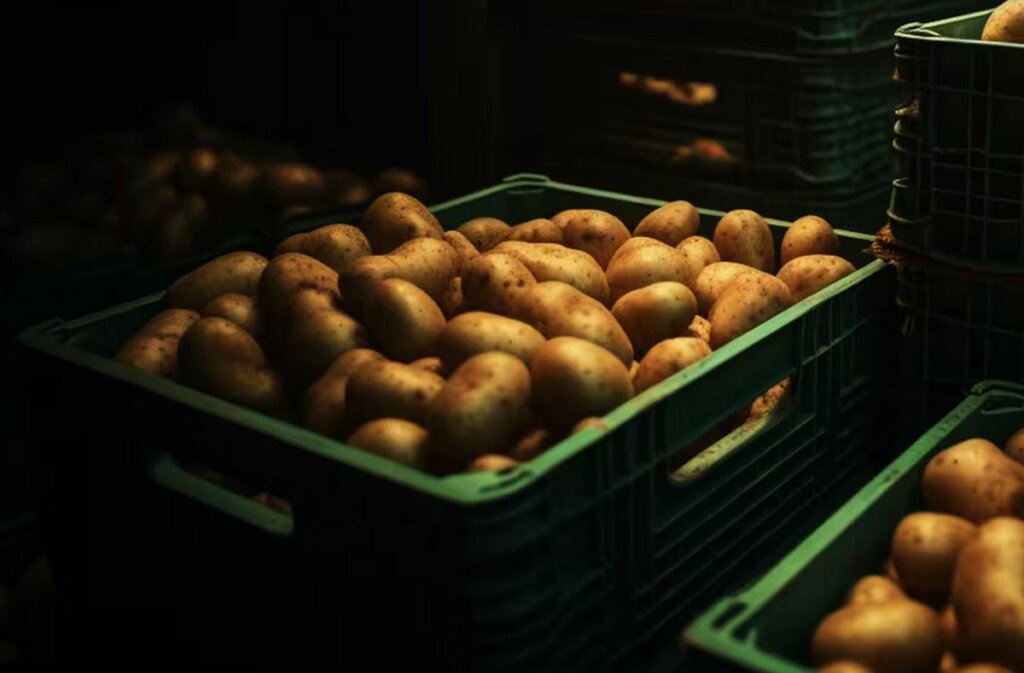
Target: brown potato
[385, 389]
[1014, 446]
[988, 595]
[844, 667]
[743, 236]
[402, 320]
[810, 235]
[536, 231]
[336, 245]
[284, 277]
[393, 438]
[395, 218]
[655, 313]
[397, 179]
[154, 348]
[550, 261]
[667, 358]
[323, 404]
[235, 272]
[974, 480]
[874, 589]
[1006, 23]
[670, 223]
[556, 309]
[983, 668]
[699, 328]
[464, 249]
[484, 232]
[453, 303]
[426, 263]
[924, 550]
[699, 253]
[646, 266]
[947, 628]
[344, 188]
[316, 333]
[810, 273]
[948, 663]
[492, 462]
[480, 410]
[238, 308]
[713, 279]
[891, 637]
[636, 243]
[478, 332]
[589, 423]
[595, 232]
[293, 184]
[748, 301]
[532, 444]
[574, 379]
[890, 571]
[430, 364]
[495, 283]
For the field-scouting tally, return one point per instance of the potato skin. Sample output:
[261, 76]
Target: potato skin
[453, 302]
[699, 253]
[974, 480]
[900, 636]
[284, 277]
[393, 438]
[484, 232]
[154, 348]
[1014, 446]
[235, 272]
[495, 283]
[648, 265]
[743, 236]
[395, 218]
[809, 235]
[671, 223]
[550, 261]
[464, 249]
[636, 243]
[746, 302]
[336, 245]
[323, 403]
[924, 550]
[874, 589]
[385, 389]
[540, 230]
[595, 232]
[426, 263]
[556, 309]
[403, 321]
[988, 595]
[808, 274]
[317, 333]
[1006, 23]
[480, 410]
[667, 358]
[948, 629]
[713, 279]
[655, 313]
[478, 332]
[492, 462]
[238, 308]
[574, 379]
[699, 328]
[844, 667]
[430, 364]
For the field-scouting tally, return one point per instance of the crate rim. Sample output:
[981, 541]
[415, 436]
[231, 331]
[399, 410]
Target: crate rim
[467, 490]
[927, 32]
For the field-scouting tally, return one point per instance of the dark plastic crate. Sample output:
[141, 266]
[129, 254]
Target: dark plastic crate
[768, 627]
[590, 557]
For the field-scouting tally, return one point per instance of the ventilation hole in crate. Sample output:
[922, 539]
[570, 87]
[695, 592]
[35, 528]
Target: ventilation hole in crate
[689, 94]
[237, 486]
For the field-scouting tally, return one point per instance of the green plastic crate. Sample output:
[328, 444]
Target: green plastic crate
[590, 557]
[767, 627]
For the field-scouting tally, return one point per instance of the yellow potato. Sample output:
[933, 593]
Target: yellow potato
[385, 389]
[667, 358]
[595, 232]
[890, 571]
[235, 272]
[492, 462]
[478, 332]
[655, 313]
[648, 265]
[988, 595]
[713, 279]
[464, 249]
[1014, 446]
[154, 348]
[810, 235]
[636, 243]
[844, 667]
[574, 379]
[670, 223]
[947, 627]
[550, 261]
[481, 409]
[948, 663]
[536, 231]
[748, 301]
[484, 232]
[402, 320]
[699, 328]
[532, 444]
[1006, 23]
[874, 589]
[495, 283]
[393, 438]
[900, 636]
[336, 245]
[284, 277]
[293, 183]
[743, 236]
[452, 302]
[810, 273]
[316, 333]
[974, 480]
[556, 309]
[238, 308]
[430, 364]
[395, 218]
[323, 404]
[699, 253]
[983, 668]
[426, 263]
[924, 550]
[589, 423]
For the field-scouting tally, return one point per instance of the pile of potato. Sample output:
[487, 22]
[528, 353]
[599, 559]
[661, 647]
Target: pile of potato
[952, 594]
[477, 348]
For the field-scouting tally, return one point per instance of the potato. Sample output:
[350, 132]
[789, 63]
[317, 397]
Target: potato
[385, 389]
[810, 235]
[667, 358]
[743, 236]
[492, 462]
[890, 571]
[293, 183]
[221, 358]
[712, 281]
[402, 320]
[395, 218]
[874, 589]
[807, 274]
[397, 179]
[323, 404]
[646, 266]
[536, 231]
[336, 245]
[478, 332]
[988, 595]
[532, 444]
[844, 667]
[1014, 446]
[748, 301]
[1006, 23]
[495, 283]
[154, 348]
[452, 302]
[636, 243]
[426, 263]
[284, 277]
[699, 328]
[484, 232]
[345, 188]
[316, 333]
[670, 223]
[393, 438]
[236, 179]
[430, 364]
[655, 313]
[480, 410]
[974, 480]
[924, 550]
[983, 668]
[947, 628]
[699, 253]
[948, 663]
[550, 261]
[590, 423]
[900, 636]
[556, 309]
[574, 379]
[595, 232]
[238, 308]
[235, 272]
[464, 250]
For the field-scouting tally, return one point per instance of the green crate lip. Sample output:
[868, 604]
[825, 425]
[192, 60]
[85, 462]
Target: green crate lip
[912, 31]
[702, 632]
[468, 489]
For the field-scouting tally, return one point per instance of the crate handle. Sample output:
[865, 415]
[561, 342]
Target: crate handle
[526, 177]
[165, 472]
